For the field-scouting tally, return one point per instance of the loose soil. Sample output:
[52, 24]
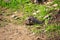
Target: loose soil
[14, 32]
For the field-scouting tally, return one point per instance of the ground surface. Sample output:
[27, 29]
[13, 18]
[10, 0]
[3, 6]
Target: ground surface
[14, 32]
[20, 32]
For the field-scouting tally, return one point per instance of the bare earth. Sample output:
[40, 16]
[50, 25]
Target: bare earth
[14, 32]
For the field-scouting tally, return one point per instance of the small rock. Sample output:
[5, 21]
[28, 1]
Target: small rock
[36, 12]
[45, 31]
[13, 16]
[55, 5]
[49, 3]
[16, 18]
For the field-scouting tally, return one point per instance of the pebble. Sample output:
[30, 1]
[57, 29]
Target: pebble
[13, 16]
[36, 12]
[55, 5]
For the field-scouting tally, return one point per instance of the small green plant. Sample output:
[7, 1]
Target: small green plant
[52, 27]
[10, 3]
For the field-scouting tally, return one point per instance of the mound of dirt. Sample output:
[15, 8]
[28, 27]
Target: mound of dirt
[14, 32]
